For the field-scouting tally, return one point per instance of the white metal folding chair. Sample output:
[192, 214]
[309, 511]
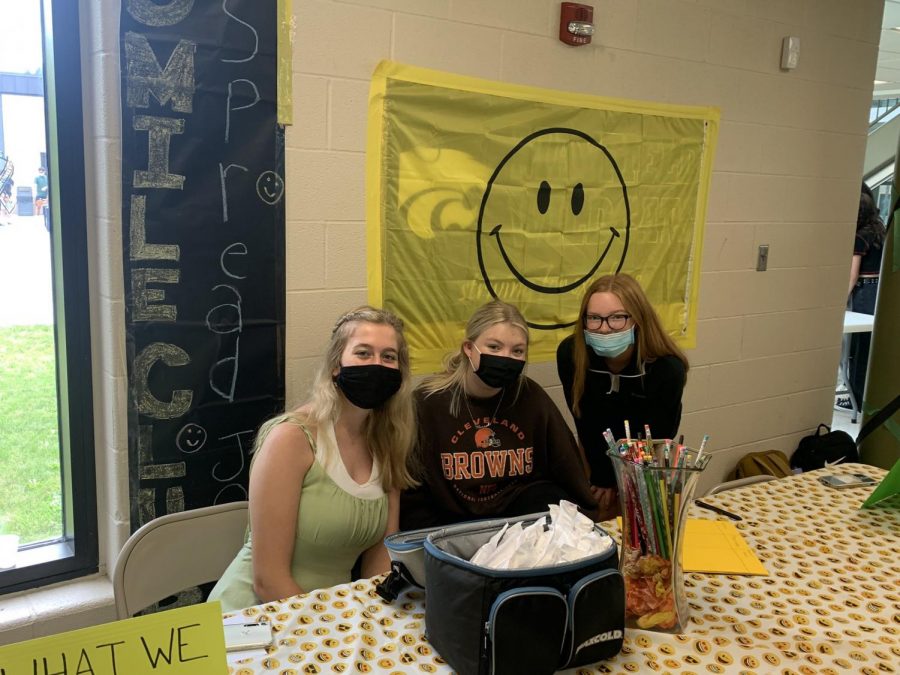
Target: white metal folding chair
[175, 552]
[740, 482]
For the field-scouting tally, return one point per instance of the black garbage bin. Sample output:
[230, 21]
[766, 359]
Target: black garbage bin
[24, 201]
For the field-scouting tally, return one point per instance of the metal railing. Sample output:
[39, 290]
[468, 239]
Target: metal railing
[883, 111]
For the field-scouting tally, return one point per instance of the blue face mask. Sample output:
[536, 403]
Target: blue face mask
[610, 345]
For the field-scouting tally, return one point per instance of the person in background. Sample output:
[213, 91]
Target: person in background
[491, 442]
[7, 201]
[864, 270]
[325, 478]
[619, 364]
[40, 191]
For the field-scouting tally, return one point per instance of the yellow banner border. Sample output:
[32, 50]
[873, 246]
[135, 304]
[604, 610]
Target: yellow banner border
[284, 51]
[386, 70]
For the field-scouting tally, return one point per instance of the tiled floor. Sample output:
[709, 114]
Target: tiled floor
[841, 420]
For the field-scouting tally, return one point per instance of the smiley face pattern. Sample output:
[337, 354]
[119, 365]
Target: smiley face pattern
[830, 604]
[344, 629]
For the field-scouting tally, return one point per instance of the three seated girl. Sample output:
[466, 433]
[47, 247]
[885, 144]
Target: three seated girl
[332, 478]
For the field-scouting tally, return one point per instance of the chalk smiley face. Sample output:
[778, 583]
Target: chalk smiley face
[554, 215]
[191, 437]
[270, 187]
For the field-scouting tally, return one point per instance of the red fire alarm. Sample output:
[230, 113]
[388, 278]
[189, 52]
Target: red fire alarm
[576, 23]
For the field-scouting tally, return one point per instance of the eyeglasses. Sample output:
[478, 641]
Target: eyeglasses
[616, 321]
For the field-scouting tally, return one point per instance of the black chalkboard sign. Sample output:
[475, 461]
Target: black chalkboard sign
[203, 243]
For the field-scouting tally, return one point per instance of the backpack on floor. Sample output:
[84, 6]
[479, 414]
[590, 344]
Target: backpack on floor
[765, 463]
[824, 448]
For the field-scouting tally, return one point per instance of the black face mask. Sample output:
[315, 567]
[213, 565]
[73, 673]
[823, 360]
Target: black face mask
[368, 386]
[499, 371]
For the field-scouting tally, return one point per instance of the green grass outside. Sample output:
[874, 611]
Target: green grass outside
[30, 503]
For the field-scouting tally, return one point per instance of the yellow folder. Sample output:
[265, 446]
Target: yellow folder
[717, 547]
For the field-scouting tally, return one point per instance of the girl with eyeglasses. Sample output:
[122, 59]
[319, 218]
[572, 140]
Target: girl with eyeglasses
[491, 441]
[619, 364]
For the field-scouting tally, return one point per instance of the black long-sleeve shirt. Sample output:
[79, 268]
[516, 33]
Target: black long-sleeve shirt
[653, 398]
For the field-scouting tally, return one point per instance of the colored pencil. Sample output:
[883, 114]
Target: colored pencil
[654, 478]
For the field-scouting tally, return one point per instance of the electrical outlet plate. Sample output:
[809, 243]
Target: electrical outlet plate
[762, 258]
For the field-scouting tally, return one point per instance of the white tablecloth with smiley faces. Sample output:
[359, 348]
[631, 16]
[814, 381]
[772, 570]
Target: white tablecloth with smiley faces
[831, 602]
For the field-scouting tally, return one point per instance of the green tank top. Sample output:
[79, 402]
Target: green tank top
[337, 520]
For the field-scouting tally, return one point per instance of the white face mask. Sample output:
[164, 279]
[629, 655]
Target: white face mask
[610, 345]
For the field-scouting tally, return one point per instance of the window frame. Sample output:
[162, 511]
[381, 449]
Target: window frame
[76, 552]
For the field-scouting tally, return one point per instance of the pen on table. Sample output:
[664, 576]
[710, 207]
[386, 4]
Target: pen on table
[716, 509]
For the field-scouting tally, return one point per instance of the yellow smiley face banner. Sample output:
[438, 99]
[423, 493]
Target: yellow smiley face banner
[478, 190]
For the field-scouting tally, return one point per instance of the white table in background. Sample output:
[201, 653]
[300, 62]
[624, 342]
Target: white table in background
[854, 322]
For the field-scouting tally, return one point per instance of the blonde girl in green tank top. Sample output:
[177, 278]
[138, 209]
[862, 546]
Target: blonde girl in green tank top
[325, 478]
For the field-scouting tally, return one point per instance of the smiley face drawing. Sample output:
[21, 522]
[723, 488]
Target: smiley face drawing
[270, 187]
[190, 438]
[554, 215]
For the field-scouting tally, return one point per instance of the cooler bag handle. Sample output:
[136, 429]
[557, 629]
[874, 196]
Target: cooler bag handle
[394, 583]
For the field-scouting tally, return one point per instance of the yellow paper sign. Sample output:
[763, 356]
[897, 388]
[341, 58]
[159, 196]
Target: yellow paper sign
[478, 190]
[187, 641]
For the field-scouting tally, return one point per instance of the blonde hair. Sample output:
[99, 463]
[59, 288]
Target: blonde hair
[389, 429]
[457, 365]
[651, 339]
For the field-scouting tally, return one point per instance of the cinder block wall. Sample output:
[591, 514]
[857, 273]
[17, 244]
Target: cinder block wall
[787, 172]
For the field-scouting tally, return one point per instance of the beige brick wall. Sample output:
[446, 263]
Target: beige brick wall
[786, 172]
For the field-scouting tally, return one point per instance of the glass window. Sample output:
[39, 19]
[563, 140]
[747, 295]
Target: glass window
[48, 522]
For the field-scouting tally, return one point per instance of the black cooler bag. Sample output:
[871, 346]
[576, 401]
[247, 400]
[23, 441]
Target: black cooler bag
[492, 622]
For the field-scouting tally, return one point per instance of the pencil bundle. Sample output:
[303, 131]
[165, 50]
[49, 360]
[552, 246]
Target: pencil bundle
[656, 481]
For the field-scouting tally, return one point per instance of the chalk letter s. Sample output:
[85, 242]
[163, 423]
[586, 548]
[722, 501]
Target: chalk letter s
[252, 30]
[150, 13]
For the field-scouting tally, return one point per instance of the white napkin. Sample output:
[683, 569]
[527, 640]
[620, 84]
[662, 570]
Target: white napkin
[567, 537]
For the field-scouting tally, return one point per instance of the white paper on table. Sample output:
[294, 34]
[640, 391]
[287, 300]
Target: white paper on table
[233, 657]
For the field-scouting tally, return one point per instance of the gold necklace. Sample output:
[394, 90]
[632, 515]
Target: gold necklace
[472, 417]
